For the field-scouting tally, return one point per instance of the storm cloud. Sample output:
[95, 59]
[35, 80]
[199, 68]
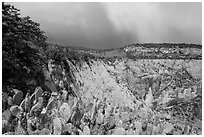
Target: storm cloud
[112, 25]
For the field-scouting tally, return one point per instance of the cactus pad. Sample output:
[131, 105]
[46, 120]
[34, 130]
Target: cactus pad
[64, 95]
[99, 118]
[77, 116]
[50, 104]
[38, 93]
[119, 131]
[86, 130]
[22, 105]
[88, 107]
[15, 110]
[50, 84]
[27, 103]
[57, 126]
[18, 97]
[37, 107]
[10, 101]
[65, 111]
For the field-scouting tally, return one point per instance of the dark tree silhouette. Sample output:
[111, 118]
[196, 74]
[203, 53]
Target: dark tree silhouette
[23, 44]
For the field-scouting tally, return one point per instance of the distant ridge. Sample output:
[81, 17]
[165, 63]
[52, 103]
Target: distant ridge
[149, 50]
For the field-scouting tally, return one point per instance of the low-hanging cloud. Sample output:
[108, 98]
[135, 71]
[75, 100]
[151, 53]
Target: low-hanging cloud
[158, 22]
[112, 25]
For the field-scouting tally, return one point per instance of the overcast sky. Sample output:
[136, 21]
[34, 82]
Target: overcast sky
[112, 25]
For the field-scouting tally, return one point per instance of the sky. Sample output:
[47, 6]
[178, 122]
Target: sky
[112, 25]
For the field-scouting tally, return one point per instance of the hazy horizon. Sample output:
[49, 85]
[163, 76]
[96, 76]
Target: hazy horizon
[103, 25]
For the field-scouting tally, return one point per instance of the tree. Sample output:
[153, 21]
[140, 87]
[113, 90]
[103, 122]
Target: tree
[23, 44]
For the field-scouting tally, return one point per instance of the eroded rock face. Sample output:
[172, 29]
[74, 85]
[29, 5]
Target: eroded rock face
[109, 81]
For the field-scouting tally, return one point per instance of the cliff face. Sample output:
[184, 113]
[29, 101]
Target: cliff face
[121, 79]
[122, 76]
[138, 89]
[159, 77]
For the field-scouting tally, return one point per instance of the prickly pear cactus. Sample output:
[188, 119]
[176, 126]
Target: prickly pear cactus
[57, 126]
[27, 103]
[89, 107]
[64, 95]
[149, 98]
[110, 122]
[119, 131]
[99, 118]
[49, 82]
[77, 116]
[86, 130]
[68, 127]
[138, 126]
[10, 101]
[37, 107]
[108, 110]
[65, 112]
[22, 105]
[38, 93]
[15, 110]
[50, 104]
[18, 97]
